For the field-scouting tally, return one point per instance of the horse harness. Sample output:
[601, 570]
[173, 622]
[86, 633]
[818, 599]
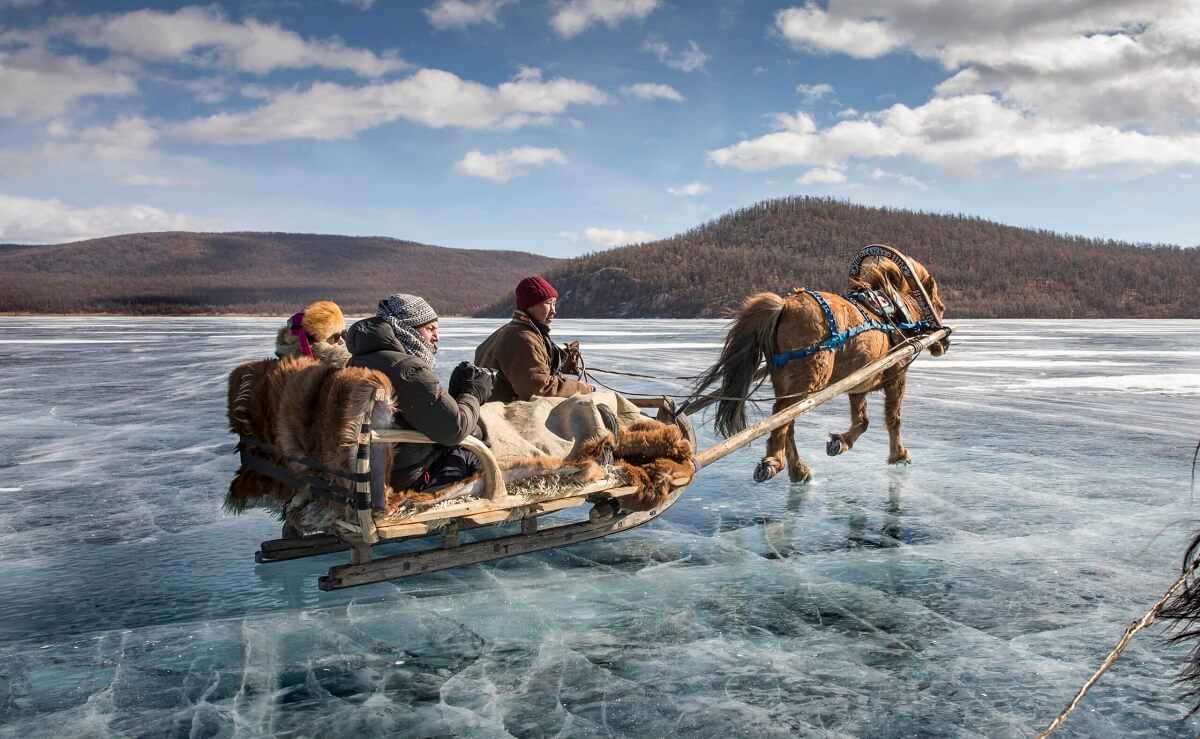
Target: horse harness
[837, 339]
[890, 308]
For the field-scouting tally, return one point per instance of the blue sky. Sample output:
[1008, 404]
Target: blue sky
[567, 126]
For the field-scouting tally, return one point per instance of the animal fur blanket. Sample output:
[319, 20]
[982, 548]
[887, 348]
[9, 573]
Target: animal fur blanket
[306, 409]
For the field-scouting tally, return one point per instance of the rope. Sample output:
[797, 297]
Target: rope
[645, 377]
[1134, 627]
[585, 375]
[1195, 456]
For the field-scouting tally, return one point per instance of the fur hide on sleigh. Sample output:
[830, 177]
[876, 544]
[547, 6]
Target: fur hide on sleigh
[307, 409]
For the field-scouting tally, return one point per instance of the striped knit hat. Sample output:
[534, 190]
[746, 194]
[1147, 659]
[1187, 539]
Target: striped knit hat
[405, 314]
[408, 310]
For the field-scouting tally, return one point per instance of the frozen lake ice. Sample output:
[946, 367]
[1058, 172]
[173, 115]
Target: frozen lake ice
[970, 594]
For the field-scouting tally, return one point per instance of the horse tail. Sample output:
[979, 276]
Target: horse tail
[750, 340]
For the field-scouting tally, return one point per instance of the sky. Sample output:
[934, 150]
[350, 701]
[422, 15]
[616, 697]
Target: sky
[563, 127]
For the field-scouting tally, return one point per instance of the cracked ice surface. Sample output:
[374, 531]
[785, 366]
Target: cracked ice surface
[970, 594]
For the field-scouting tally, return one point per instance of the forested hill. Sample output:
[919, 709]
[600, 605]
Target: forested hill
[984, 269]
[265, 273]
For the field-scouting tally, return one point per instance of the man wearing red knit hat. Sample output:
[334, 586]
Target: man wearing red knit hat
[528, 363]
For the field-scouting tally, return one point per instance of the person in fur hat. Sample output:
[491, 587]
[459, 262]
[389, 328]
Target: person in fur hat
[401, 341]
[318, 332]
[527, 361]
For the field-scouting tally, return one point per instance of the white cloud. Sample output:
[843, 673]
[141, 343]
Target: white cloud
[615, 236]
[360, 4]
[576, 16]
[430, 97]
[690, 190]
[688, 60]
[29, 220]
[1125, 64]
[651, 91]
[957, 134]
[36, 84]
[821, 176]
[569, 235]
[847, 113]
[128, 138]
[209, 89]
[1071, 85]
[142, 179]
[506, 165]
[200, 35]
[813, 93]
[878, 174]
[813, 29]
[462, 13]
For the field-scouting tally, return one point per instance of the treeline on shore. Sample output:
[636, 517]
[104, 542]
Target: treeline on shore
[185, 273]
[985, 269]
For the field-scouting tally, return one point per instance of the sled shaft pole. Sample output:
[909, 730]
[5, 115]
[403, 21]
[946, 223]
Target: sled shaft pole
[787, 415]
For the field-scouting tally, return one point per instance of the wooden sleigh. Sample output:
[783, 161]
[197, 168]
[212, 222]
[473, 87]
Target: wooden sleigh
[442, 524]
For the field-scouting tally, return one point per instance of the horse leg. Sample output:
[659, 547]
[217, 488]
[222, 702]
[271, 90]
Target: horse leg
[840, 443]
[797, 470]
[893, 394]
[781, 445]
[772, 461]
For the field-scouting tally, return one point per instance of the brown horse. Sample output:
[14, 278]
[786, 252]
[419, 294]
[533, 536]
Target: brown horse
[769, 324]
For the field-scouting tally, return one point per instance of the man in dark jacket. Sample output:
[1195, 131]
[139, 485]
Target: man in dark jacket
[401, 341]
[528, 363]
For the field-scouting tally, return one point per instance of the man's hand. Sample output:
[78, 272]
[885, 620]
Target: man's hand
[467, 378]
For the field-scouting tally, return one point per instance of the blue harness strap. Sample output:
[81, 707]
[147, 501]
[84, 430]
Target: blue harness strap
[837, 339]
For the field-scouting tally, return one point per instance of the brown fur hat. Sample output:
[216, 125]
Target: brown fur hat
[323, 319]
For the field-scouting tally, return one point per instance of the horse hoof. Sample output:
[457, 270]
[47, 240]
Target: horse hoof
[834, 447]
[901, 460]
[800, 476]
[764, 472]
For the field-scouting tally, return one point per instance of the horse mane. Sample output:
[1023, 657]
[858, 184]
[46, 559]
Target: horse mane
[878, 274]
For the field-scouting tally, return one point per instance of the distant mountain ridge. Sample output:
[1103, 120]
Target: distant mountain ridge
[984, 269]
[260, 273]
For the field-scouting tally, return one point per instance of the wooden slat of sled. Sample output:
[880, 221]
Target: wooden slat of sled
[488, 518]
[416, 563]
[483, 505]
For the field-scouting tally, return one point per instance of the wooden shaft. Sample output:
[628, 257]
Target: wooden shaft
[787, 415]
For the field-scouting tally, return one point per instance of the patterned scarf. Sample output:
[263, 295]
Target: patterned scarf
[396, 310]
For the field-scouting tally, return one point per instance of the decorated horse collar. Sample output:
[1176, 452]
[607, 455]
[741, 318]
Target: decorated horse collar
[916, 290]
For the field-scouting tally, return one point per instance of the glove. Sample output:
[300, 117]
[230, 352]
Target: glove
[467, 379]
[572, 361]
